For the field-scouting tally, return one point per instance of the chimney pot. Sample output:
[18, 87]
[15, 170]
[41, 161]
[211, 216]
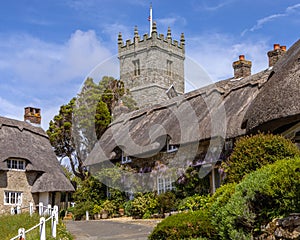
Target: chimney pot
[242, 57]
[283, 48]
[276, 46]
[242, 67]
[32, 115]
[275, 54]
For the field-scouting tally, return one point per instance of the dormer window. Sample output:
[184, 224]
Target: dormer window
[16, 164]
[125, 159]
[171, 147]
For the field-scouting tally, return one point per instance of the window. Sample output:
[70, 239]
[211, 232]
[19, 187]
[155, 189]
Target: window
[137, 70]
[171, 147]
[228, 145]
[125, 159]
[16, 164]
[164, 185]
[169, 68]
[12, 198]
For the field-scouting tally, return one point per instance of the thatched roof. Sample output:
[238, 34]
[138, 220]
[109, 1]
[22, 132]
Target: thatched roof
[215, 110]
[278, 103]
[21, 140]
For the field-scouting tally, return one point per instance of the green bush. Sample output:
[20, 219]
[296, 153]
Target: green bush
[167, 202]
[144, 205]
[194, 203]
[81, 208]
[185, 225]
[270, 192]
[252, 152]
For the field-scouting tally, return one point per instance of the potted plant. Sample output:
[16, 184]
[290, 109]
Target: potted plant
[108, 208]
[97, 211]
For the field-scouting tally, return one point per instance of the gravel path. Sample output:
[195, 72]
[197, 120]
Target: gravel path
[111, 229]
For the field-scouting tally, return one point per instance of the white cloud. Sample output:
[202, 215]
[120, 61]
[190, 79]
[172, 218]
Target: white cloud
[261, 22]
[44, 74]
[215, 53]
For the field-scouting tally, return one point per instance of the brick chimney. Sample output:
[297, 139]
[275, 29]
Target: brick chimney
[242, 67]
[32, 115]
[275, 54]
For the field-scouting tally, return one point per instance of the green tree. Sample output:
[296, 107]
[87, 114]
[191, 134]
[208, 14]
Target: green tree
[81, 122]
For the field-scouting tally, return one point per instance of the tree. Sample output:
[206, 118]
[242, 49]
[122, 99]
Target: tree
[81, 122]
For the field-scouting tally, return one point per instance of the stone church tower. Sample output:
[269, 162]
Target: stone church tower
[151, 65]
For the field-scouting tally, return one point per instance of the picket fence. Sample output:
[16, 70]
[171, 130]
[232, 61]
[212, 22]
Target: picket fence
[43, 211]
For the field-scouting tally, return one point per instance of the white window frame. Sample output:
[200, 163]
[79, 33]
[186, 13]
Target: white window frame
[164, 184]
[16, 164]
[13, 198]
[125, 159]
[171, 147]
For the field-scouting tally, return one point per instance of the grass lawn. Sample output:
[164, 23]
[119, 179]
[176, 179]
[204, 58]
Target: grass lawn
[9, 225]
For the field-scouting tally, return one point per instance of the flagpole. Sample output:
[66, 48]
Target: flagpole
[150, 18]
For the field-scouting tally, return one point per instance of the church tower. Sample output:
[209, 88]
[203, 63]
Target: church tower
[149, 66]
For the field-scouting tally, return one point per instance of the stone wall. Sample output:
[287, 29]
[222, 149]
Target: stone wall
[283, 229]
[17, 181]
[153, 54]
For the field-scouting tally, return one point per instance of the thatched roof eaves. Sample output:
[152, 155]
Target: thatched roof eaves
[277, 104]
[195, 116]
[21, 140]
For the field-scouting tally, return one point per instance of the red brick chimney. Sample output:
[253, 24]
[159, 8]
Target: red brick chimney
[32, 115]
[242, 67]
[276, 53]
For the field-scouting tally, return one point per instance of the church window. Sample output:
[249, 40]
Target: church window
[169, 68]
[137, 69]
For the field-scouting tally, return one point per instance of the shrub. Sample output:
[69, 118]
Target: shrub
[167, 202]
[143, 205]
[270, 192]
[251, 153]
[193, 203]
[81, 208]
[184, 226]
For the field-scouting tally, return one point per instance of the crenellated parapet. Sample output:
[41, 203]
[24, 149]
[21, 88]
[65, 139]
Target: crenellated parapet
[139, 43]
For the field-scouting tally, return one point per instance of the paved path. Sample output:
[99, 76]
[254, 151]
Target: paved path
[111, 229]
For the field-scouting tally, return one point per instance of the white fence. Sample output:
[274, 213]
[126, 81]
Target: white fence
[53, 217]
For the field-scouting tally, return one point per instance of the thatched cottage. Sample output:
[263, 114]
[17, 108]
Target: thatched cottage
[29, 169]
[198, 128]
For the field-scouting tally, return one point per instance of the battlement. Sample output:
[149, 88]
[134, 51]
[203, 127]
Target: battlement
[155, 40]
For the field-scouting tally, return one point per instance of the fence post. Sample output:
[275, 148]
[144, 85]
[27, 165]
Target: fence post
[21, 231]
[49, 209]
[31, 208]
[55, 209]
[87, 215]
[18, 210]
[12, 211]
[53, 224]
[42, 228]
[41, 208]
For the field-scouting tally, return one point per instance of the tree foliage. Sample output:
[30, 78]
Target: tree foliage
[81, 122]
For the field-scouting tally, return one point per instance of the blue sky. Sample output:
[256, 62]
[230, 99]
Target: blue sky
[48, 47]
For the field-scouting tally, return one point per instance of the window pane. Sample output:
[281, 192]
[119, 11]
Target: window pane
[21, 165]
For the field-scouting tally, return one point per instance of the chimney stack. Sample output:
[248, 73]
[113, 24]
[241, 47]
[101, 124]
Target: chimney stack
[275, 54]
[242, 67]
[32, 115]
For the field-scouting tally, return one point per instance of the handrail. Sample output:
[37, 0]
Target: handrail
[54, 221]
